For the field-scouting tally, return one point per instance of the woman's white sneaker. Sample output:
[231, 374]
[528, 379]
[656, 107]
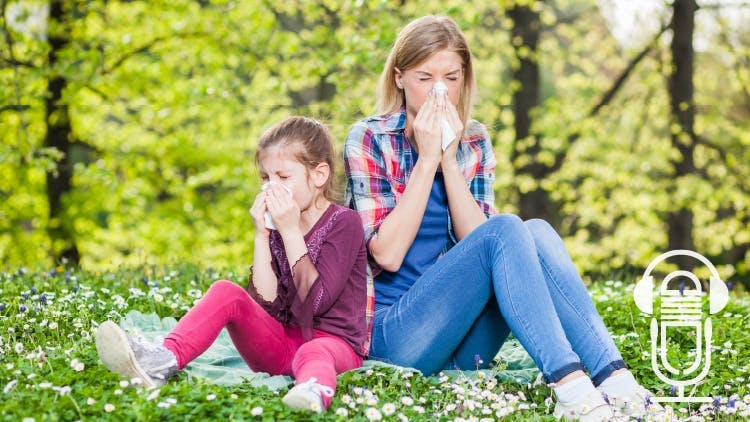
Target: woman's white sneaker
[637, 405]
[589, 408]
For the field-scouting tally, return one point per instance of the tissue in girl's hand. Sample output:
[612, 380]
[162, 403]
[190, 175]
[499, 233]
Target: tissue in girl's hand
[445, 127]
[267, 216]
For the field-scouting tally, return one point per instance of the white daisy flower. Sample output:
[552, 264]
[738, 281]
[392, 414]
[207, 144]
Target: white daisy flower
[373, 414]
[389, 409]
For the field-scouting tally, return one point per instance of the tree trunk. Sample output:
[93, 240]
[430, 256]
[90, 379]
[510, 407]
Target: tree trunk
[59, 136]
[526, 29]
[680, 220]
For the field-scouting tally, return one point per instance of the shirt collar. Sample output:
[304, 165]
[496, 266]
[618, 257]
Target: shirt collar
[390, 123]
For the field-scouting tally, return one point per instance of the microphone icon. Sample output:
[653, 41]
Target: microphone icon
[681, 309]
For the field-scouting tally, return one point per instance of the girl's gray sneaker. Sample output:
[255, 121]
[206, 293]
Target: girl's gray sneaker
[134, 356]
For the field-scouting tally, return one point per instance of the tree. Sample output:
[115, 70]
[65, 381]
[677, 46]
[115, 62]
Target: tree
[682, 107]
[59, 136]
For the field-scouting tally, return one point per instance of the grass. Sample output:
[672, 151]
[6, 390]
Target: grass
[49, 369]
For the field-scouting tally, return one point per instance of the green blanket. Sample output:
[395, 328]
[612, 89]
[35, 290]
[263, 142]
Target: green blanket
[223, 365]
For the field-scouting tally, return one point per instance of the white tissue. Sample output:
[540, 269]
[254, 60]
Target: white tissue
[448, 134]
[267, 216]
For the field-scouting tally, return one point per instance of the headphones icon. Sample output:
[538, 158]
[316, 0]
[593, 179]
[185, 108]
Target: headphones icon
[681, 309]
[644, 295]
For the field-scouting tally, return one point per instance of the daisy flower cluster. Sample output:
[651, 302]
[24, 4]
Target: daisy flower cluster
[49, 367]
[48, 320]
[461, 397]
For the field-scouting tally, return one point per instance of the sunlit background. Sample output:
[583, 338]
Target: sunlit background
[128, 128]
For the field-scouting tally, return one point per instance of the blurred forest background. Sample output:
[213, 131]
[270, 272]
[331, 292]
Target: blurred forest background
[129, 127]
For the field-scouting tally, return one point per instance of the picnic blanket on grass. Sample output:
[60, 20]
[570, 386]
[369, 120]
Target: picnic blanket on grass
[222, 364]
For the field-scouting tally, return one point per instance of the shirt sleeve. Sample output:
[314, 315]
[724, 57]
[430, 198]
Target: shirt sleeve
[338, 254]
[481, 185]
[369, 190]
[274, 307]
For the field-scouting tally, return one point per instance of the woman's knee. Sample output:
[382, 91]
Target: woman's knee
[504, 226]
[504, 223]
[539, 227]
[545, 236]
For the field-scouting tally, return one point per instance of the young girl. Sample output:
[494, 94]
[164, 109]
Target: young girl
[452, 279]
[303, 313]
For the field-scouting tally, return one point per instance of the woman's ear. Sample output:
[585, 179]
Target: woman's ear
[320, 174]
[397, 78]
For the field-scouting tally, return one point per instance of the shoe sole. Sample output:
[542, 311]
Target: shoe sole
[115, 352]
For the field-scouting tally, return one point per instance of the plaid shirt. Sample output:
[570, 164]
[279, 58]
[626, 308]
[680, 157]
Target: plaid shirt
[379, 159]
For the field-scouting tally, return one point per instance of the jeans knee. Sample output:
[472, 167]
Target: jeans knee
[505, 222]
[506, 225]
[537, 226]
[546, 237]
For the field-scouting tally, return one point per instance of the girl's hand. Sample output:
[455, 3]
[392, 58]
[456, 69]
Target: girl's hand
[285, 213]
[257, 212]
[449, 155]
[427, 132]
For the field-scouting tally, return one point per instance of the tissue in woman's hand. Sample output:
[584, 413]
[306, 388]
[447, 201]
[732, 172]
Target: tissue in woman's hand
[267, 216]
[440, 88]
[448, 134]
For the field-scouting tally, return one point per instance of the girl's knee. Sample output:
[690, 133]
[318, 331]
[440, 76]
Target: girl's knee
[226, 288]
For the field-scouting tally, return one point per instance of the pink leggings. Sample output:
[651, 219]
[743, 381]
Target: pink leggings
[262, 341]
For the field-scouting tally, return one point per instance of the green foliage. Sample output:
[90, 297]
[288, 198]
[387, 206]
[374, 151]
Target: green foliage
[50, 369]
[168, 98]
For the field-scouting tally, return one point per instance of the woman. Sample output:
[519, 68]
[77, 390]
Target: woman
[452, 279]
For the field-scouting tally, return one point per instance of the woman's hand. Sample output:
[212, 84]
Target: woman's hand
[257, 212]
[427, 133]
[284, 211]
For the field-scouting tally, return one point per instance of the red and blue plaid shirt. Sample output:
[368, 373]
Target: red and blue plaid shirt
[379, 159]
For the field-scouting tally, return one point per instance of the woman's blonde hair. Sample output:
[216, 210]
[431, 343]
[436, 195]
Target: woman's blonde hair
[417, 42]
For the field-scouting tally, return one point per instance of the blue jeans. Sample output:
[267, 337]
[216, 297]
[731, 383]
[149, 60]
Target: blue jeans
[507, 275]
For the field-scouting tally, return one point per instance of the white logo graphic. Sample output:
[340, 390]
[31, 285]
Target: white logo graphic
[681, 309]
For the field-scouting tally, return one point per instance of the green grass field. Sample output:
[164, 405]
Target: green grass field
[50, 371]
